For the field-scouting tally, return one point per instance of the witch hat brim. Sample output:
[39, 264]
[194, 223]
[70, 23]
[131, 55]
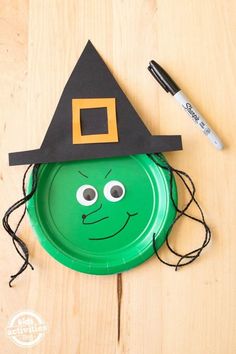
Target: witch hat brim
[47, 154]
[94, 119]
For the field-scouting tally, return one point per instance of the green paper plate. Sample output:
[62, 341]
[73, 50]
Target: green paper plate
[99, 216]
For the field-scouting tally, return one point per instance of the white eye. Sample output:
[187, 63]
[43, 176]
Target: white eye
[114, 191]
[86, 195]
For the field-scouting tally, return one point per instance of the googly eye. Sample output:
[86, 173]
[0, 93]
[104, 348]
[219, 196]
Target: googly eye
[86, 195]
[114, 191]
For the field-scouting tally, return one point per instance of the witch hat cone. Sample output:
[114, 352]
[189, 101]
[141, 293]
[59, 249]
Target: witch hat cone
[94, 119]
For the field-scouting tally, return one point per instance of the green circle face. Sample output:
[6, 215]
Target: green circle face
[99, 216]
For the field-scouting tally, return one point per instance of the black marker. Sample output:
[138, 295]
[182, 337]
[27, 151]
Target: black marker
[170, 86]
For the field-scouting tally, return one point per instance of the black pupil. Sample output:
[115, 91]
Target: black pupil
[89, 194]
[116, 191]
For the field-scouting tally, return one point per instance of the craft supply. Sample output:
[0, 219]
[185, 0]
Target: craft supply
[169, 85]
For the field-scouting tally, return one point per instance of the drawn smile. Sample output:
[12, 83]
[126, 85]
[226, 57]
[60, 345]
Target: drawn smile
[117, 232]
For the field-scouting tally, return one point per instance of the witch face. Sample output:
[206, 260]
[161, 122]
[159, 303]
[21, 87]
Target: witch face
[98, 201]
[100, 213]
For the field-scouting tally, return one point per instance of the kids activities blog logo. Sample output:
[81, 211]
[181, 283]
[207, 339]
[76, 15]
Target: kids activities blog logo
[26, 328]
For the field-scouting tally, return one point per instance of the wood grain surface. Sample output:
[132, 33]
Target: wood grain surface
[151, 309]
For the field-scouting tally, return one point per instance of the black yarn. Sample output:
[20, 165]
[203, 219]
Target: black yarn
[19, 244]
[193, 255]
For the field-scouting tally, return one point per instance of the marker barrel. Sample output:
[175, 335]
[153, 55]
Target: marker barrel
[198, 119]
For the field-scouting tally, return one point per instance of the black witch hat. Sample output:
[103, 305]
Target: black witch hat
[94, 119]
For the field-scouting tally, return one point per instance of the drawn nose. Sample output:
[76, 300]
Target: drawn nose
[84, 216]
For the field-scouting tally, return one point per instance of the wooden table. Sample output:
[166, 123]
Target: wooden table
[192, 311]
